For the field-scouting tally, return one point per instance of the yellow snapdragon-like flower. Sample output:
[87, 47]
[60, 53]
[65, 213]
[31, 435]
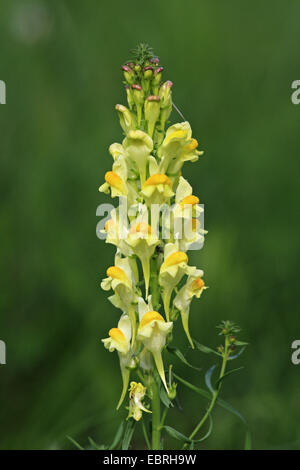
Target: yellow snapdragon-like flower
[193, 287]
[152, 332]
[116, 233]
[119, 339]
[136, 394]
[157, 189]
[174, 267]
[127, 118]
[142, 242]
[138, 146]
[120, 278]
[178, 147]
[115, 180]
[187, 228]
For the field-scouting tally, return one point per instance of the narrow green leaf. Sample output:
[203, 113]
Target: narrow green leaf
[96, 446]
[118, 436]
[207, 395]
[237, 354]
[198, 390]
[75, 443]
[205, 349]
[176, 434]
[208, 376]
[181, 437]
[164, 398]
[248, 442]
[128, 434]
[209, 431]
[176, 352]
[228, 373]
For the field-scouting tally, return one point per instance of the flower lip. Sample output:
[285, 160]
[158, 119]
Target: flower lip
[153, 98]
[120, 107]
[148, 68]
[117, 335]
[108, 225]
[198, 284]
[192, 145]
[141, 227]
[135, 86]
[158, 70]
[190, 200]
[125, 68]
[168, 83]
[117, 273]
[149, 317]
[175, 258]
[158, 179]
[114, 180]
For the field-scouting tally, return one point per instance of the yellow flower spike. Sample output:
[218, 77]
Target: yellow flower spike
[114, 180]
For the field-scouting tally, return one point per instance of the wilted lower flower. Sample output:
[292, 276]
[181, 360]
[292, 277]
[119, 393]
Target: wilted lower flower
[136, 394]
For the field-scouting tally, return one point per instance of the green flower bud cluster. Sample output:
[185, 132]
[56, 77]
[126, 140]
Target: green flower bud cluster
[149, 100]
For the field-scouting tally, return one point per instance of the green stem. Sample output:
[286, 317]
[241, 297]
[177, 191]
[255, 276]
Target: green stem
[155, 292]
[215, 394]
[155, 415]
[164, 417]
[146, 434]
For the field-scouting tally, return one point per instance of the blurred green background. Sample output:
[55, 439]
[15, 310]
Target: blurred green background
[232, 64]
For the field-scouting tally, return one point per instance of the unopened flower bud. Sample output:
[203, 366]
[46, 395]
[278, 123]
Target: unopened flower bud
[166, 102]
[147, 75]
[133, 363]
[125, 117]
[156, 79]
[232, 339]
[221, 348]
[128, 74]
[172, 391]
[165, 93]
[148, 72]
[155, 60]
[129, 96]
[152, 112]
[138, 97]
